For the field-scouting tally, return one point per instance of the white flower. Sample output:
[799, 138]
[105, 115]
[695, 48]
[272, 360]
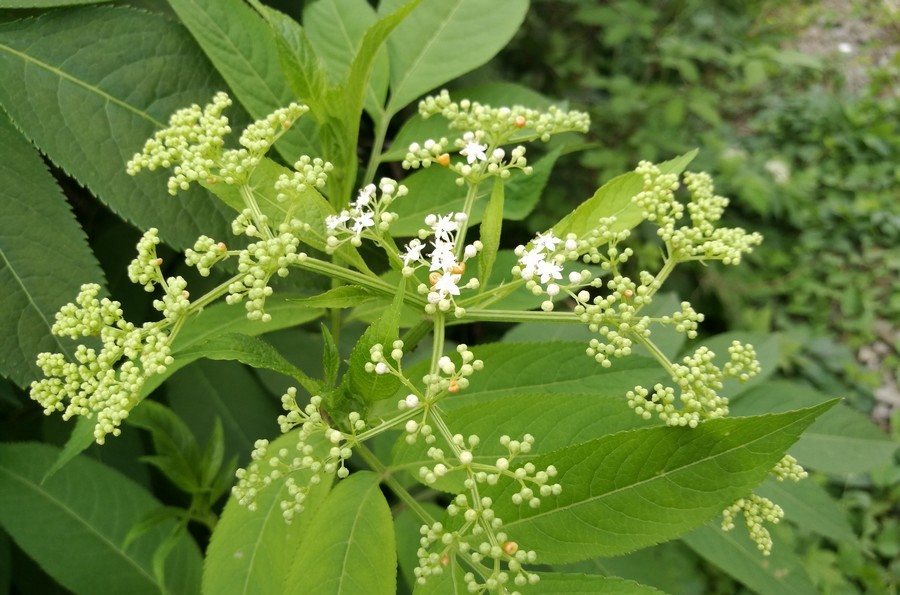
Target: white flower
[363, 221]
[442, 257]
[548, 270]
[365, 196]
[547, 242]
[413, 252]
[332, 222]
[446, 284]
[444, 226]
[473, 152]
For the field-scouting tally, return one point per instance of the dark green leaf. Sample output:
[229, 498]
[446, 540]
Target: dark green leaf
[44, 258]
[91, 110]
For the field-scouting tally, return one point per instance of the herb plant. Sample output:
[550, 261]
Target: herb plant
[501, 462]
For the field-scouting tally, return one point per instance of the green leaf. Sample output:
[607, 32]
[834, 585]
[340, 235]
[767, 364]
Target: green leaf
[585, 584]
[331, 358]
[780, 573]
[841, 441]
[613, 199]
[90, 509]
[640, 487]
[489, 233]
[335, 29]
[343, 296]
[230, 392]
[252, 351]
[177, 454]
[44, 258]
[809, 506]
[242, 48]
[252, 552]
[91, 110]
[443, 39]
[556, 420]
[349, 547]
[369, 386]
[47, 3]
[518, 368]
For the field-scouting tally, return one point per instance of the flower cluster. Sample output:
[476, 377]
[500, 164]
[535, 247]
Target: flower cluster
[478, 520]
[541, 266]
[259, 262]
[789, 468]
[446, 262]
[698, 379]
[321, 451]
[106, 384]
[368, 215]
[193, 145]
[757, 511]
[500, 124]
[702, 240]
[480, 160]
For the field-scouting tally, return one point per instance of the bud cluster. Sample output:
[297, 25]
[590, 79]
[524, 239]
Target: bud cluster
[106, 384]
[757, 511]
[451, 377]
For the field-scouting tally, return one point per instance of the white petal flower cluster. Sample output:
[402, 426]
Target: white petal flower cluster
[445, 263]
[368, 215]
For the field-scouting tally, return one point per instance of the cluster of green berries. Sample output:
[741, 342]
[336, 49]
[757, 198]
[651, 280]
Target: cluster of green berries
[451, 377]
[503, 123]
[193, 145]
[757, 511]
[789, 468]
[308, 173]
[698, 380]
[105, 384]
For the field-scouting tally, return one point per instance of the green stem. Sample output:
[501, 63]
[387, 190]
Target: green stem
[475, 314]
[437, 348]
[377, 144]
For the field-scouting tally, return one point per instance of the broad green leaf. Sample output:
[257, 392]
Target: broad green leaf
[177, 455]
[809, 506]
[613, 199]
[780, 573]
[585, 584]
[518, 368]
[418, 129]
[491, 225]
[443, 39]
[349, 547]
[841, 441]
[343, 296]
[640, 487]
[213, 322]
[433, 190]
[251, 552]
[252, 351]
[242, 48]
[89, 111]
[369, 386]
[44, 258]
[556, 420]
[335, 29]
[75, 523]
[227, 391]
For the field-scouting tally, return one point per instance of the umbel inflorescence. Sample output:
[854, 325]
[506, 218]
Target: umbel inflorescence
[575, 274]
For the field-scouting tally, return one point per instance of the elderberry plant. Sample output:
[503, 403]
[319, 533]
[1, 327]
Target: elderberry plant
[507, 457]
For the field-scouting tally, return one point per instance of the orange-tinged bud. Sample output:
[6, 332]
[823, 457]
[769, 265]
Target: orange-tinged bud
[510, 548]
[211, 181]
[158, 261]
[454, 386]
[519, 121]
[185, 294]
[433, 278]
[287, 123]
[628, 293]
[459, 269]
[445, 560]
[444, 159]
[222, 247]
